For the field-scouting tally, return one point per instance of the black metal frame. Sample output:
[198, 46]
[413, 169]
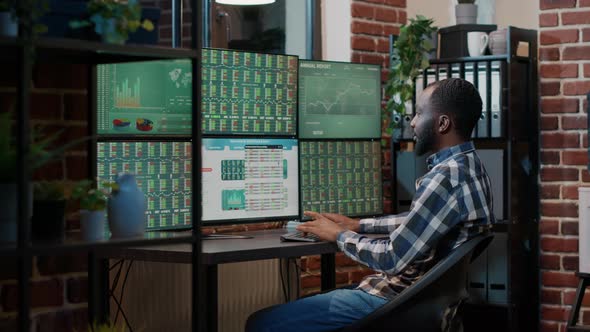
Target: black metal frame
[520, 143]
[56, 50]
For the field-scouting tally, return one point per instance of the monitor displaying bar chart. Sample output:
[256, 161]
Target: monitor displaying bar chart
[248, 93]
[144, 98]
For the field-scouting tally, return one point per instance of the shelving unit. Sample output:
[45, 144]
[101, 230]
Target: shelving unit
[14, 52]
[519, 144]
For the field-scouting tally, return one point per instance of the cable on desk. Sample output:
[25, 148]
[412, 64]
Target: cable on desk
[283, 280]
[114, 287]
[115, 265]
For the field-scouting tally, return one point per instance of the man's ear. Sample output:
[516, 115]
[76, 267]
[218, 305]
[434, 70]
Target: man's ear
[444, 124]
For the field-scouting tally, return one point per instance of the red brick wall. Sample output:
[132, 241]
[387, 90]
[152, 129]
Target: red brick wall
[58, 284]
[564, 56]
[372, 23]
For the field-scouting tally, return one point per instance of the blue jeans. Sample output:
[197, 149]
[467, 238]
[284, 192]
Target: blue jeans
[324, 312]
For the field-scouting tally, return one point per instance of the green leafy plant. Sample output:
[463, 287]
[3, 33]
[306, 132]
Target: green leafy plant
[50, 190]
[114, 19]
[92, 198]
[40, 149]
[408, 60]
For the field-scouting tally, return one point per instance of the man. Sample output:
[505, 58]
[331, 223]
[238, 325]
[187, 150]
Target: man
[453, 203]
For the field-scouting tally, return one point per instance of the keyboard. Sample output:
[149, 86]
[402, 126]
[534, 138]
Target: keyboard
[300, 236]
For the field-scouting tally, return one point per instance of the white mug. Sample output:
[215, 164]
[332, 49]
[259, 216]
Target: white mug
[477, 42]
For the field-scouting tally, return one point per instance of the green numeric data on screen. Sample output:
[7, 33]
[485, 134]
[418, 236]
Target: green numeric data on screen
[248, 93]
[144, 98]
[341, 177]
[163, 173]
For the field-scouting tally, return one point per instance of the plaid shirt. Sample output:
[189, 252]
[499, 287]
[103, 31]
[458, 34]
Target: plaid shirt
[453, 203]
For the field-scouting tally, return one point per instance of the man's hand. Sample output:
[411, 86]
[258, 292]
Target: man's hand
[348, 223]
[321, 226]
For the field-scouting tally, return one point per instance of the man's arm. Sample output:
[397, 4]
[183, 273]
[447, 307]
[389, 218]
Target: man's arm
[382, 225]
[435, 210]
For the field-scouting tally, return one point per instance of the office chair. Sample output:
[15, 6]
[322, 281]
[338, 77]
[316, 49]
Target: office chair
[433, 302]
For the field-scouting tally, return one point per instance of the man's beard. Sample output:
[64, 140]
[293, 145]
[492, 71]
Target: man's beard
[425, 142]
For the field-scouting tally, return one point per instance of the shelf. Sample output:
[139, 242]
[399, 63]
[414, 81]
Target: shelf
[470, 59]
[73, 242]
[62, 50]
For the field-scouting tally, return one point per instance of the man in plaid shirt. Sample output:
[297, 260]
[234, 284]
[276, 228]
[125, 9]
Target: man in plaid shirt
[453, 203]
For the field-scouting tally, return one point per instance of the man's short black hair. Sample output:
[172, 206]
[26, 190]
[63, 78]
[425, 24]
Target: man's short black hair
[460, 100]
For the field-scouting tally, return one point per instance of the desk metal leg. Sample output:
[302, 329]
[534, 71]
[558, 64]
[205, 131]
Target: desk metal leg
[211, 298]
[328, 270]
[579, 297]
[98, 289]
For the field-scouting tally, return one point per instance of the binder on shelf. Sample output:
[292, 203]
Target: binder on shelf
[493, 161]
[477, 279]
[497, 269]
[496, 108]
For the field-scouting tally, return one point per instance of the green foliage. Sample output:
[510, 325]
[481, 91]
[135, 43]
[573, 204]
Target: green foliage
[92, 198]
[50, 190]
[40, 151]
[106, 327]
[114, 19]
[409, 59]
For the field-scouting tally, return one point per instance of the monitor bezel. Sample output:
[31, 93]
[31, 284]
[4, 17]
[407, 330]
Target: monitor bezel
[217, 222]
[379, 67]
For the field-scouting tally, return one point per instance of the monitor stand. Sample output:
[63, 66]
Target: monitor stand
[225, 236]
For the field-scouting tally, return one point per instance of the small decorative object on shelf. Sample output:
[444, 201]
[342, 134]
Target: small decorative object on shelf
[466, 12]
[49, 205]
[92, 208]
[498, 44]
[127, 206]
[113, 20]
[409, 58]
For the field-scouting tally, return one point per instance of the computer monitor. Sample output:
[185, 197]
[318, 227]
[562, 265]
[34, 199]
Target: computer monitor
[339, 100]
[163, 173]
[247, 93]
[341, 177]
[144, 98]
[249, 179]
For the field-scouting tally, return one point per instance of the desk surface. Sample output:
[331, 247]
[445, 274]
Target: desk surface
[265, 244]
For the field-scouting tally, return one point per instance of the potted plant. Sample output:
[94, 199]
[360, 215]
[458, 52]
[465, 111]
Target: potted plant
[93, 202]
[49, 205]
[40, 152]
[466, 12]
[113, 20]
[408, 60]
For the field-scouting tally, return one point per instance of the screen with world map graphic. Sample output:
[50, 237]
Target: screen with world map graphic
[339, 100]
[144, 98]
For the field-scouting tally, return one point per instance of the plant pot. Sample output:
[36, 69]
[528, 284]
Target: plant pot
[92, 225]
[109, 33]
[126, 208]
[466, 13]
[48, 222]
[8, 213]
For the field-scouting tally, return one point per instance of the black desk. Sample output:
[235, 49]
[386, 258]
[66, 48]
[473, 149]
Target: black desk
[265, 245]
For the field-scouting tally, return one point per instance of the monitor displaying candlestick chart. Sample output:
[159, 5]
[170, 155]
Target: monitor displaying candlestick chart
[247, 179]
[339, 100]
[144, 98]
[248, 93]
[163, 173]
[341, 177]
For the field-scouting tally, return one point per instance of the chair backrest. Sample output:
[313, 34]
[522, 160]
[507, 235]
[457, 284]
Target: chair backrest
[424, 305]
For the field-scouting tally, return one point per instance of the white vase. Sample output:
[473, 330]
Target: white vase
[126, 208]
[92, 224]
[8, 25]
